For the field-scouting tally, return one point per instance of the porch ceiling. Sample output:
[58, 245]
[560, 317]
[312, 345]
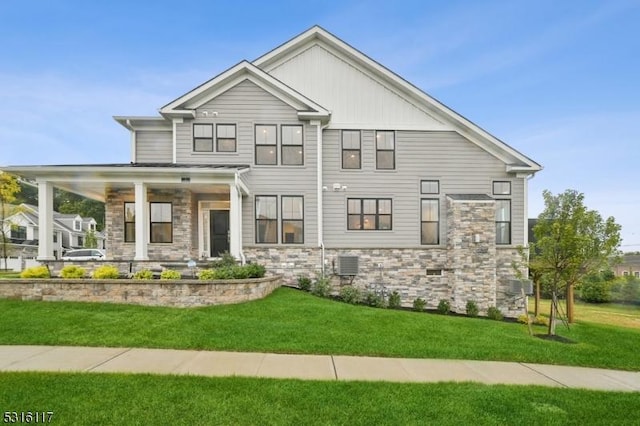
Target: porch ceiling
[92, 181]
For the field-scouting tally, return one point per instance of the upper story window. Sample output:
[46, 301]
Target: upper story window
[503, 221]
[429, 187]
[266, 144]
[292, 152]
[161, 225]
[77, 225]
[19, 232]
[501, 188]
[129, 222]
[203, 137]
[226, 137]
[351, 149]
[292, 219]
[92, 227]
[267, 219]
[385, 150]
[369, 214]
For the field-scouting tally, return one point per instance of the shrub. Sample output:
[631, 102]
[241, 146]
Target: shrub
[143, 274]
[36, 272]
[444, 307]
[321, 287]
[494, 313]
[72, 271]
[170, 274]
[419, 304]
[235, 272]
[394, 300]
[106, 272]
[595, 290]
[226, 260]
[472, 308]
[540, 320]
[374, 300]
[523, 318]
[255, 270]
[304, 283]
[350, 294]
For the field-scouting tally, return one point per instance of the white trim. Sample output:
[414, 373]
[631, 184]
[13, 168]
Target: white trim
[45, 221]
[142, 221]
[133, 138]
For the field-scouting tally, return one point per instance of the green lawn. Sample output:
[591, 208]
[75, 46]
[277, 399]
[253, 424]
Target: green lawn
[290, 321]
[92, 399]
[599, 313]
[9, 274]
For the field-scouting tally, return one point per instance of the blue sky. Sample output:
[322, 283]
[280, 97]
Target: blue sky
[557, 80]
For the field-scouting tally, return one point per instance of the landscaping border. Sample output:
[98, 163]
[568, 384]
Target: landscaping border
[178, 293]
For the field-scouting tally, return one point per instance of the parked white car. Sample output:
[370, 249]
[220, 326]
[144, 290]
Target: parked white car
[83, 254]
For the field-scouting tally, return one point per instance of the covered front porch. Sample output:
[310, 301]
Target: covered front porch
[152, 211]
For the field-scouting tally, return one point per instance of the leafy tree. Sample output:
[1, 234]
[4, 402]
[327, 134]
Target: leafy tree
[571, 242]
[9, 187]
[90, 240]
[68, 202]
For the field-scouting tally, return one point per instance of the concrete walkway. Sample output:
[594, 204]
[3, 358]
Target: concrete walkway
[308, 367]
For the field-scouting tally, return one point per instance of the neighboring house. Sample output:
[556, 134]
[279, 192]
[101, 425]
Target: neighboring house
[630, 265]
[69, 231]
[311, 152]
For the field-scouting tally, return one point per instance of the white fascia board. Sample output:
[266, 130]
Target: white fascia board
[143, 123]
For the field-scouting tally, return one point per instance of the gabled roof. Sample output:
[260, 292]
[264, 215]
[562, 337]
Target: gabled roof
[515, 161]
[186, 105]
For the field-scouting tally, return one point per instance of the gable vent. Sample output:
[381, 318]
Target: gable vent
[347, 265]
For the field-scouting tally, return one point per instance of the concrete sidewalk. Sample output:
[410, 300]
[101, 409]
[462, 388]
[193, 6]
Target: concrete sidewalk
[308, 367]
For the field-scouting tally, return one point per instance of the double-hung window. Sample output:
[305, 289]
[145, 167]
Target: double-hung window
[292, 149]
[385, 150]
[430, 213]
[503, 212]
[266, 219]
[129, 222]
[19, 232]
[226, 138]
[266, 144]
[369, 214]
[161, 225]
[292, 219]
[351, 149]
[203, 137]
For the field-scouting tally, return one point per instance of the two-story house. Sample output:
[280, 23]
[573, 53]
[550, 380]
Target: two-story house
[309, 153]
[69, 231]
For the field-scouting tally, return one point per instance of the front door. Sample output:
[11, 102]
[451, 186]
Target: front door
[219, 232]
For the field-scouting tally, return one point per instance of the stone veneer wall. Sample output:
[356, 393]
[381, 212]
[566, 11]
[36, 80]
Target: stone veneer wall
[179, 293]
[482, 273]
[471, 236]
[181, 247]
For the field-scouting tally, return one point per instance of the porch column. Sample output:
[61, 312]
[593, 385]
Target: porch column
[235, 221]
[142, 221]
[45, 221]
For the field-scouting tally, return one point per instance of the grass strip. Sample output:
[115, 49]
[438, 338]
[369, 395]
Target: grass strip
[88, 399]
[290, 321]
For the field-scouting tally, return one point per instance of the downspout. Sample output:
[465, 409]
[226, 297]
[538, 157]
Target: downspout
[320, 128]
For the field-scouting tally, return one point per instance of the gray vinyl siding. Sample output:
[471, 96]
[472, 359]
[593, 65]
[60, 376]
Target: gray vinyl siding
[246, 105]
[285, 180]
[460, 166]
[154, 146]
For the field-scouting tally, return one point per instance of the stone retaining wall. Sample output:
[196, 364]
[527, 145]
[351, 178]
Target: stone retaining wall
[178, 293]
